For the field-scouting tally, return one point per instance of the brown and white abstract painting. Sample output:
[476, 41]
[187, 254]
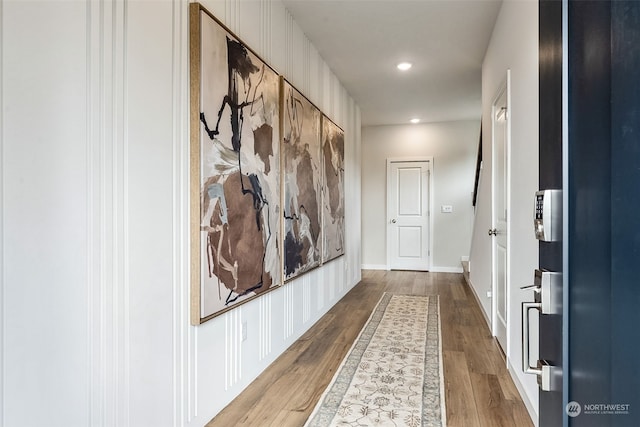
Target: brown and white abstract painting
[332, 190]
[302, 176]
[235, 167]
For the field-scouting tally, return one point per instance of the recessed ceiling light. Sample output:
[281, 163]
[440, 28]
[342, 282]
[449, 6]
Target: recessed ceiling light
[414, 121]
[404, 66]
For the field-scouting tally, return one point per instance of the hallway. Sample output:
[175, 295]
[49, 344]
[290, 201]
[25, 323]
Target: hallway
[479, 390]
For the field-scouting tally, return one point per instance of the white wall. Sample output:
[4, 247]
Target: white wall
[454, 147]
[514, 45]
[94, 221]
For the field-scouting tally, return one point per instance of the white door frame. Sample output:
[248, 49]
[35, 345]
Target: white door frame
[505, 87]
[430, 201]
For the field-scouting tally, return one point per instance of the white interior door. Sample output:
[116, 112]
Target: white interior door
[408, 215]
[500, 137]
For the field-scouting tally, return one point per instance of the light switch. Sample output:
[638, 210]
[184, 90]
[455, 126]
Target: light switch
[446, 209]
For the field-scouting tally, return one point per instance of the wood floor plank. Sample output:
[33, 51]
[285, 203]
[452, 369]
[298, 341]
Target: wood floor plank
[508, 387]
[493, 409]
[457, 289]
[520, 415]
[478, 389]
[495, 355]
[474, 348]
[460, 402]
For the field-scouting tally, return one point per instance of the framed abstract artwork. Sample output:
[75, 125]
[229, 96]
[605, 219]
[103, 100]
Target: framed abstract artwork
[332, 190]
[302, 176]
[234, 172]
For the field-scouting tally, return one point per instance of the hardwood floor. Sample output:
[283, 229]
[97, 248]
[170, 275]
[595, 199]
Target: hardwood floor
[479, 390]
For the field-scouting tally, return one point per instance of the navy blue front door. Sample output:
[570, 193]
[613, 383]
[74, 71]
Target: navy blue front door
[591, 149]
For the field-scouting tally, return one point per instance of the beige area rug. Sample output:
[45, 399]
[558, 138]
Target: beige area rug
[392, 376]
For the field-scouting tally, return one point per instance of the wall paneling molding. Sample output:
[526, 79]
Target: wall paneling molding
[107, 287]
[265, 315]
[306, 298]
[233, 347]
[289, 306]
[2, 181]
[184, 339]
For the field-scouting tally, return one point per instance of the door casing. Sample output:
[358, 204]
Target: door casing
[504, 91]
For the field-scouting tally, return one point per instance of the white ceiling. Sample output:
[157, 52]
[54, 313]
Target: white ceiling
[363, 40]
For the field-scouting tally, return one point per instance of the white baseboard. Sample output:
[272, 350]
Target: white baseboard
[527, 403]
[433, 269]
[374, 266]
[475, 294]
[446, 269]
[464, 258]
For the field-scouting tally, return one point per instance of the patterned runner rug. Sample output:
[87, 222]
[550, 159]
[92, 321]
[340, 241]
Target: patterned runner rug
[392, 376]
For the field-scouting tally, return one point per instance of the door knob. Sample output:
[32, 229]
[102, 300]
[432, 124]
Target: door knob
[493, 232]
[393, 221]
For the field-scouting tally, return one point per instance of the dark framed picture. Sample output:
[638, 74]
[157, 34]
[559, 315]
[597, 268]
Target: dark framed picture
[332, 190]
[302, 176]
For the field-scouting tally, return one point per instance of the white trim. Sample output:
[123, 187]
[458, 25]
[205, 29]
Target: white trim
[443, 412]
[374, 267]
[509, 211]
[2, 219]
[525, 398]
[503, 89]
[430, 176]
[107, 218]
[184, 345]
[432, 270]
[464, 258]
[477, 297]
[446, 270]
[410, 159]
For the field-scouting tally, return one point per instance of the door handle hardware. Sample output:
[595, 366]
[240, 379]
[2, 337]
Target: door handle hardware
[549, 376]
[493, 232]
[526, 362]
[393, 221]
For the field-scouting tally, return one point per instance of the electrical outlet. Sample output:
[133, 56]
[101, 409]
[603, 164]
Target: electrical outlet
[244, 331]
[489, 294]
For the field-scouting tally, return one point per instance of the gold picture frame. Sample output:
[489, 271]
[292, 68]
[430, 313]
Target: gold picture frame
[235, 187]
